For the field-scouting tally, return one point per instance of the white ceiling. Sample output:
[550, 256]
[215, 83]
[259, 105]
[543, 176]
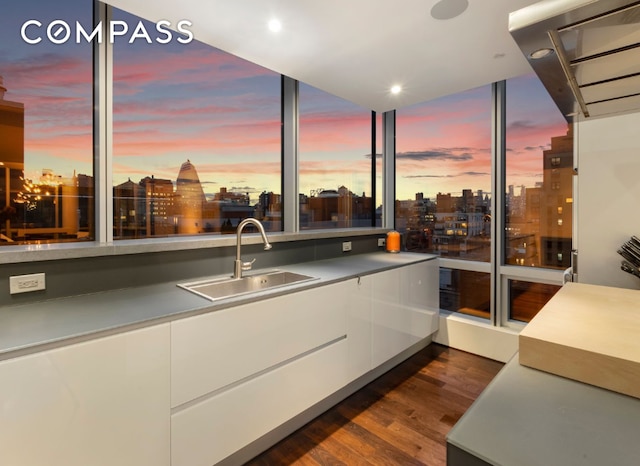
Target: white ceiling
[358, 49]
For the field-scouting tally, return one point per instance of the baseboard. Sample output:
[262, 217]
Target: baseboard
[473, 336]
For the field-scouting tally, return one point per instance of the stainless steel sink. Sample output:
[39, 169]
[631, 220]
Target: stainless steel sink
[228, 287]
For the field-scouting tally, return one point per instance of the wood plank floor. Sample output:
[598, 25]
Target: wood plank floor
[401, 418]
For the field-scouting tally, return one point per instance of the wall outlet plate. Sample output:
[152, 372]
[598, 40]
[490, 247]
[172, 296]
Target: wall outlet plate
[346, 246]
[26, 283]
[381, 242]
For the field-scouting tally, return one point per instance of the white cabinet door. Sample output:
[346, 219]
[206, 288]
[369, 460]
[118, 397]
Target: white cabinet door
[421, 286]
[359, 325]
[404, 308]
[101, 402]
[212, 351]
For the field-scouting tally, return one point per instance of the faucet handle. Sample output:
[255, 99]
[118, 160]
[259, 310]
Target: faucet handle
[247, 265]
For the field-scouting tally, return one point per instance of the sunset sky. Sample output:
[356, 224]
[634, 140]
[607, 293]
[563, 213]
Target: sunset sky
[445, 145]
[176, 102]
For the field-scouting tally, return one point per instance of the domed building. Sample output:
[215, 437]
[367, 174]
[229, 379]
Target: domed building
[190, 200]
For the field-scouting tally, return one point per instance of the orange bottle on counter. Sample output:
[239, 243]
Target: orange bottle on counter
[393, 241]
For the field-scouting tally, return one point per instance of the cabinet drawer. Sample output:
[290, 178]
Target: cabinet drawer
[209, 431]
[212, 351]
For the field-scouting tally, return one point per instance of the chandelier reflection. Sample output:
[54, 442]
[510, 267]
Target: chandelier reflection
[32, 193]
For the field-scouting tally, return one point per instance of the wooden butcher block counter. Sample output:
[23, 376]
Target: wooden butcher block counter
[590, 334]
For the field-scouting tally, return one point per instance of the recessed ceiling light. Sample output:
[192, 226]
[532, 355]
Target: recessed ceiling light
[540, 53]
[449, 9]
[275, 25]
[396, 89]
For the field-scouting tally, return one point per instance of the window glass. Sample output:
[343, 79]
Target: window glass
[527, 298]
[46, 123]
[335, 161]
[443, 175]
[379, 151]
[196, 139]
[465, 292]
[539, 171]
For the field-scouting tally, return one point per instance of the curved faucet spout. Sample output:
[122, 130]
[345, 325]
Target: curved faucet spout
[239, 266]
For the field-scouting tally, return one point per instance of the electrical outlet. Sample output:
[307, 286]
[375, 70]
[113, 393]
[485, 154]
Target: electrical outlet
[381, 242]
[346, 246]
[26, 283]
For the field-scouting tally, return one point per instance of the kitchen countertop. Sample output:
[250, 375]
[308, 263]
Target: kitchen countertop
[29, 328]
[526, 417]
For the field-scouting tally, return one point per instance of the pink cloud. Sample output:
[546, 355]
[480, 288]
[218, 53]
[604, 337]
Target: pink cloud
[142, 139]
[309, 168]
[202, 66]
[47, 71]
[335, 132]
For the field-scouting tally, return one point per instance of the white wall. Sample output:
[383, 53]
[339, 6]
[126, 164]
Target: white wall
[608, 197]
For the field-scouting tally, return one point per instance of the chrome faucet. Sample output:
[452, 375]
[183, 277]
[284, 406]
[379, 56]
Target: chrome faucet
[239, 266]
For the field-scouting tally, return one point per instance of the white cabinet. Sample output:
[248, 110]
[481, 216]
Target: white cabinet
[389, 311]
[207, 432]
[405, 306]
[212, 351]
[239, 373]
[196, 390]
[359, 325]
[101, 402]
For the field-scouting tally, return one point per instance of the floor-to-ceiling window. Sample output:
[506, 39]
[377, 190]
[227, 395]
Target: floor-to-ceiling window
[46, 123]
[538, 197]
[335, 161]
[196, 140]
[446, 170]
[443, 192]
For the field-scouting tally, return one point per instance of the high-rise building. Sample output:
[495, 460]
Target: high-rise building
[339, 208]
[556, 223]
[144, 209]
[125, 221]
[11, 162]
[158, 199]
[86, 195]
[190, 200]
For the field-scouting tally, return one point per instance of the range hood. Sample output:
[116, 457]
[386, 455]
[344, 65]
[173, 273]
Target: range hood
[586, 53]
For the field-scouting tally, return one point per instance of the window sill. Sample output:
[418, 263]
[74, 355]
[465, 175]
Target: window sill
[58, 251]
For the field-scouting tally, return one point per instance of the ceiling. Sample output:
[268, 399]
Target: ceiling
[358, 49]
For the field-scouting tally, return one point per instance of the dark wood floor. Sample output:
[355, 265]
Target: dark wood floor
[401, 418]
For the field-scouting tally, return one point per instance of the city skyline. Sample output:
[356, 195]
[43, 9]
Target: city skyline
[460, 155]
[161, 118]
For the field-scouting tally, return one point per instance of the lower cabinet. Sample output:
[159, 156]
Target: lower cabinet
[389, 312]
[196, 390]
[240, 372]
[404, 308]
[212, 351]
[102, 402]
[359, 325]
[209, 431]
